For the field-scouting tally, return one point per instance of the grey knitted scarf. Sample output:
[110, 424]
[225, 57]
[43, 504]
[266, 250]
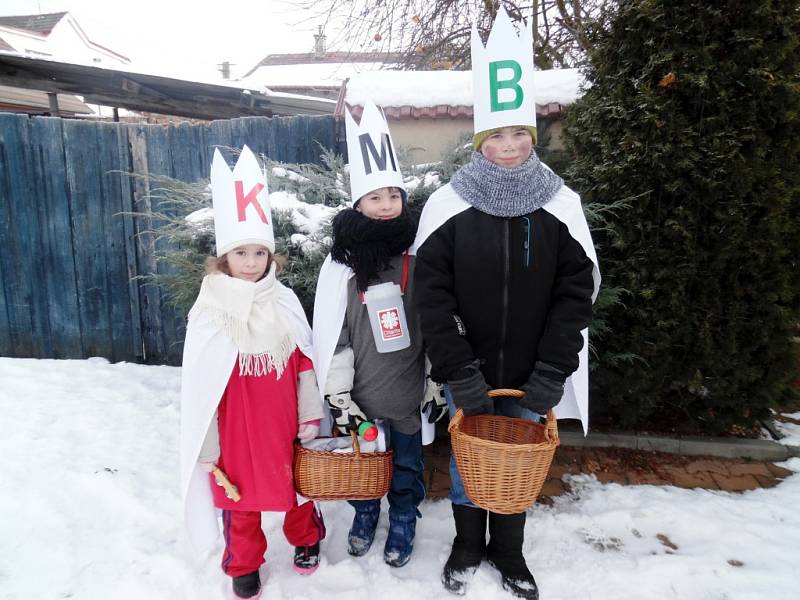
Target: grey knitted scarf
[506, 192]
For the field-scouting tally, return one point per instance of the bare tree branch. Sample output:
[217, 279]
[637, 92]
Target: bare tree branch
[436, 33]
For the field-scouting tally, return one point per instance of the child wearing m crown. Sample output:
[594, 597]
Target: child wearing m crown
[248, 388]
[361, 380]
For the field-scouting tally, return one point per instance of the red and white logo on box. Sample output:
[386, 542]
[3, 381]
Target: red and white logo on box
[391, 327]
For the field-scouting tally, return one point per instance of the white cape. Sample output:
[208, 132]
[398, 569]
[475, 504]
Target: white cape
[330, 306]
[208, 359]
[565, 206]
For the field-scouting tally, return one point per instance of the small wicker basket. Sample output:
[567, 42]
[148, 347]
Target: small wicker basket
[503, 461]
[323, 475]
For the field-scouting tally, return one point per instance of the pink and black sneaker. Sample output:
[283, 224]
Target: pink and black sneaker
[306, 559]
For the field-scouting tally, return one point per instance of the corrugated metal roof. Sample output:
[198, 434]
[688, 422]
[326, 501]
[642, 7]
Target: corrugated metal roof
[152, 93]
[39, 23]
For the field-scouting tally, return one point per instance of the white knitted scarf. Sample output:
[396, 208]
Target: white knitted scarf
[250, 315]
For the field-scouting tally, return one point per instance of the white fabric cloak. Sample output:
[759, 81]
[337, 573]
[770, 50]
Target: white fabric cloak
[208, 359]
[565, 206]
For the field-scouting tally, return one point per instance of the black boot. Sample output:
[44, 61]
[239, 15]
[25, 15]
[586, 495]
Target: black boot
[504, 553]
[247, 586]
[469, 547]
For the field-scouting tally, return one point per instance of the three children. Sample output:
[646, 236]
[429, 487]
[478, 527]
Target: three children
[498, 283]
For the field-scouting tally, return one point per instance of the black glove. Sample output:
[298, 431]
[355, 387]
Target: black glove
[470, 392]
[544, 388]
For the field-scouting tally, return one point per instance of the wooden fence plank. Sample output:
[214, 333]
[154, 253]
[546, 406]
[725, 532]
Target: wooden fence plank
[84, 175]
[110, 160]
[149, 297]
[17, 237]
[57, 252]
[126, 189]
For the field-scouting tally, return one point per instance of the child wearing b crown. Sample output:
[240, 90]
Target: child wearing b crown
[361, 381]
[506, 276]
[248, 388]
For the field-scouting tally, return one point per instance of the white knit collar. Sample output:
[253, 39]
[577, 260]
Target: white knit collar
[248, 313]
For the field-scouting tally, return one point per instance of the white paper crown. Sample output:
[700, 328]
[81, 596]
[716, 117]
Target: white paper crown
[502, 76]
[242, 212]
[371, 154]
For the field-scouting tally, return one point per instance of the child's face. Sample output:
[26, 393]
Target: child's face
[383, 203]
[248, 262]
[509, 147]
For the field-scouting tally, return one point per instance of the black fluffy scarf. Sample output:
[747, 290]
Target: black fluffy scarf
[367, 245]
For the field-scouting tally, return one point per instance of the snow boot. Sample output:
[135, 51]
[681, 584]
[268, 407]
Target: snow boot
[247, 586]
[306, 559]
[469, 547]
[504, 553]
[362, 532]
[400, 541]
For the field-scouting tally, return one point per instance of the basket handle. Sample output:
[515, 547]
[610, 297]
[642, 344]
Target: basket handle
[456, 420]
[356, 446]
[550, 432]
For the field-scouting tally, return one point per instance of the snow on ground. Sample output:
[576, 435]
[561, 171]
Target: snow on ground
[92, 511]
[790, 431]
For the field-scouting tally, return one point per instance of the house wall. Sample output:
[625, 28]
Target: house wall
[428, 139]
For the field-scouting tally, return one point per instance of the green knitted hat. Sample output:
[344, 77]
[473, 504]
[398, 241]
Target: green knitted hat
[479, 137]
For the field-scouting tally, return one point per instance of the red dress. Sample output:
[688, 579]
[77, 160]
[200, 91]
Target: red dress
[257, 428]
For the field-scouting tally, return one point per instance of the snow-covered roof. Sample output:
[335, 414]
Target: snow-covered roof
[433, 89]
[308, 75]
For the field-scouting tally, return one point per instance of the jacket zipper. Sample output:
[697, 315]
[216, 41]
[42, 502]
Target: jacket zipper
[504, 321]
[526, 245]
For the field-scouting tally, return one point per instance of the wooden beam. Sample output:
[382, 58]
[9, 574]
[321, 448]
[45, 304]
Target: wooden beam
[53, 100]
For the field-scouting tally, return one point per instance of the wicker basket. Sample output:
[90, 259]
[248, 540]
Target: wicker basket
[322, 475]
[503, 461]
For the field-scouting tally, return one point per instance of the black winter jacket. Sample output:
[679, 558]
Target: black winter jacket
[507, 291]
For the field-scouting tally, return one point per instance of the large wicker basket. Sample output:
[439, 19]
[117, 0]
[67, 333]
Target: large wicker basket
[322, 475]
[503, 461]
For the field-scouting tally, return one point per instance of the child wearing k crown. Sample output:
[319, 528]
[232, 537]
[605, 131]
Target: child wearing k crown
[248, 388]
[361, 382]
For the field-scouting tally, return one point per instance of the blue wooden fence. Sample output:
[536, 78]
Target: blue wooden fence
[68, 256]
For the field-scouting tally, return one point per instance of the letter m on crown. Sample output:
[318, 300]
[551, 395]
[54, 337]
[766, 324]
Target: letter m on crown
[243, 201]
[368, 149]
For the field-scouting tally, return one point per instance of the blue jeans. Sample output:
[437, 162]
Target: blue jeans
[407, 488]
[507, 407]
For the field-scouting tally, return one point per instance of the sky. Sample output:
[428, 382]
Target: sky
[188, 37]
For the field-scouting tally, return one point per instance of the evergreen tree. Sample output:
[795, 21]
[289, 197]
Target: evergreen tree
[692, 120]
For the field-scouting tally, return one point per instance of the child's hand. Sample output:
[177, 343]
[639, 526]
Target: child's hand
[207, 464]
[307, 432]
